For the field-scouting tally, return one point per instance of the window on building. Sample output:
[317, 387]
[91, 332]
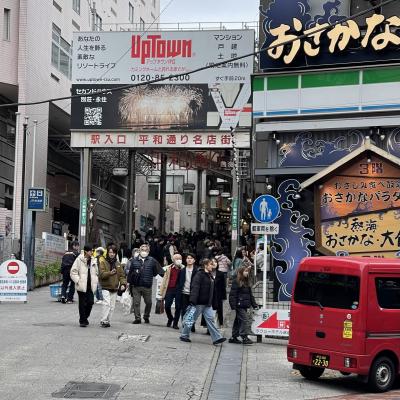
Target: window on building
[76, 6]
[98, 23]
[6, 24]
[154, 192]
[61, 53]
[175, 183]
[131, 13]
[142, 24]
[188, 199]
[56, 5]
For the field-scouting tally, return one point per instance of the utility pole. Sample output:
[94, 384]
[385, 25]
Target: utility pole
[163, 194]
[14, 210]
[29, 254]
[93, 10]
[21, 224]
[131, 202]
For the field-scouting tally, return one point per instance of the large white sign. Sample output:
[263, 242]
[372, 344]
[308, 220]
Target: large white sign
[161, 140]
[13, 281]
[54, 243]
[134, 57]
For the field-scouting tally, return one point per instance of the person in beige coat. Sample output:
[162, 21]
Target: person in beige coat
[169, 290]
[84, 273]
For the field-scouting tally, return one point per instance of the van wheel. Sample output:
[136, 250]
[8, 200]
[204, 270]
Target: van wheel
[382, 375]
[311, 373]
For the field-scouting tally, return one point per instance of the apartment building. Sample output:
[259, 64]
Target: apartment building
[35, 64]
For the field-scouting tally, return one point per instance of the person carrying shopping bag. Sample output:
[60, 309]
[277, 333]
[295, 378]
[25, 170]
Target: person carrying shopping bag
[112, 277]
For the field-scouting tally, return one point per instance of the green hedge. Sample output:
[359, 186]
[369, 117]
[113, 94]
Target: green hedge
[45, 271]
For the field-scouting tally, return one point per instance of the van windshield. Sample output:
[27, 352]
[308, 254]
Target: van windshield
[327, 290]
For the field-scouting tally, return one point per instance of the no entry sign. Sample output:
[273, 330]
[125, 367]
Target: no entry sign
[13, 267]
[13, 281]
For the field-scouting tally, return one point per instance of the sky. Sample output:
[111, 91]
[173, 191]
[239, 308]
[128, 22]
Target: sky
[210, 11]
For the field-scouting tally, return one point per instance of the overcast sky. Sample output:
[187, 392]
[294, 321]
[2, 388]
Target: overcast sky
[210, 10]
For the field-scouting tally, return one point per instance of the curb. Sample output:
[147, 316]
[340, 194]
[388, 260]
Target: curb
[243, 375]
[210, 375]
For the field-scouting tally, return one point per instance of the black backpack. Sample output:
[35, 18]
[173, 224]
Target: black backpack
[135, 273]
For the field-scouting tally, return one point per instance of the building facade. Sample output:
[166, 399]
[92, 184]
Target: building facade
[326, 118]
[36, 51]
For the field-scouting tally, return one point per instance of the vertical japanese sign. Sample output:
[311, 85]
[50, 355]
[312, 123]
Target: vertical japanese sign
[234, 217]
[84, 211]
[359, 209]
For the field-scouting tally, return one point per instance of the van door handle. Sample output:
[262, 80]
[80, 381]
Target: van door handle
[320, 334]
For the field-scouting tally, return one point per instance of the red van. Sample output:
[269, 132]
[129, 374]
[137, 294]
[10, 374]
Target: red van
[345, 316]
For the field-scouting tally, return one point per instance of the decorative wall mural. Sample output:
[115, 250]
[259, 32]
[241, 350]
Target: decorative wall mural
[293, 242]
[393, 142]
[308, 151]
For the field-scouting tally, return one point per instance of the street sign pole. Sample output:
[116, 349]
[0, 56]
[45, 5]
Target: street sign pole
[265, 271]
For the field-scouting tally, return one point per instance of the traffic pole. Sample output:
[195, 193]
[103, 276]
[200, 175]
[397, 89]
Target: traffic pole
[265, 271]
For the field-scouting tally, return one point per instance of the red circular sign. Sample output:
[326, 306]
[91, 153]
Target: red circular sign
[13, 268]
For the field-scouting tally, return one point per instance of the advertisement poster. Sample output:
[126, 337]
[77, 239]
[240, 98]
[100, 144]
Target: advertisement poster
[217, 98]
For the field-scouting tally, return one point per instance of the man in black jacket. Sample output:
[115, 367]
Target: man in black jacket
[202, 296]
[140, 278]
[66, 264]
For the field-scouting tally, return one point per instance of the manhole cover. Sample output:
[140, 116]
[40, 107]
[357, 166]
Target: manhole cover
[123, 337]
[87, 390]
[48, 324]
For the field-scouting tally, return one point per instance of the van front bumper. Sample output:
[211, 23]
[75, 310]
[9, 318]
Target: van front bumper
[359, 364]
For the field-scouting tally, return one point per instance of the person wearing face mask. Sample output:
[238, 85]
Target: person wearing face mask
[185, 283]
[84, 273]
[142, 271]
[112, 277]
[241, 299]
[169, 290]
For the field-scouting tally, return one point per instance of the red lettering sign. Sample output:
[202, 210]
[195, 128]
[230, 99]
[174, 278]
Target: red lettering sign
[155, 47]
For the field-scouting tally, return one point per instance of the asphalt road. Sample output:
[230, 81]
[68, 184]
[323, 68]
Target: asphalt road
[43, 350]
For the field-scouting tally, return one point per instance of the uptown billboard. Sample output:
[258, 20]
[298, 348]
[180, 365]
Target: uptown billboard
[215, 98]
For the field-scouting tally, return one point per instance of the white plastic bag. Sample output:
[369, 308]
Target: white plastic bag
[126, 301]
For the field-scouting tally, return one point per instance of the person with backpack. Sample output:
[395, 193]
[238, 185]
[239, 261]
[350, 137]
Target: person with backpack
[66, 264]
[241, 299]
[142, 271]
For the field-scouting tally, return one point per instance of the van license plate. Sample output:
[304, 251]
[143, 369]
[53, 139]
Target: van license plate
[319, 360]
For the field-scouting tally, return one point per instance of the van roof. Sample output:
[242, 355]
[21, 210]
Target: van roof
[351, 262]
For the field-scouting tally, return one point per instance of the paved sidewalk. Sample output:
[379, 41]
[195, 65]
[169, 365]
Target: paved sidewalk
[270, 376]
[43, 349]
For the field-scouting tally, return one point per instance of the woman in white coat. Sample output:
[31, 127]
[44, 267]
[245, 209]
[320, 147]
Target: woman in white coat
[84, 273]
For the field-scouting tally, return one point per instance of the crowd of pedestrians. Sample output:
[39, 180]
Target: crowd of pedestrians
[195, 270]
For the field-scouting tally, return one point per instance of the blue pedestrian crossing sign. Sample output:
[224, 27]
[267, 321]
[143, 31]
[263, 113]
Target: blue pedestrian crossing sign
[265, 208]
